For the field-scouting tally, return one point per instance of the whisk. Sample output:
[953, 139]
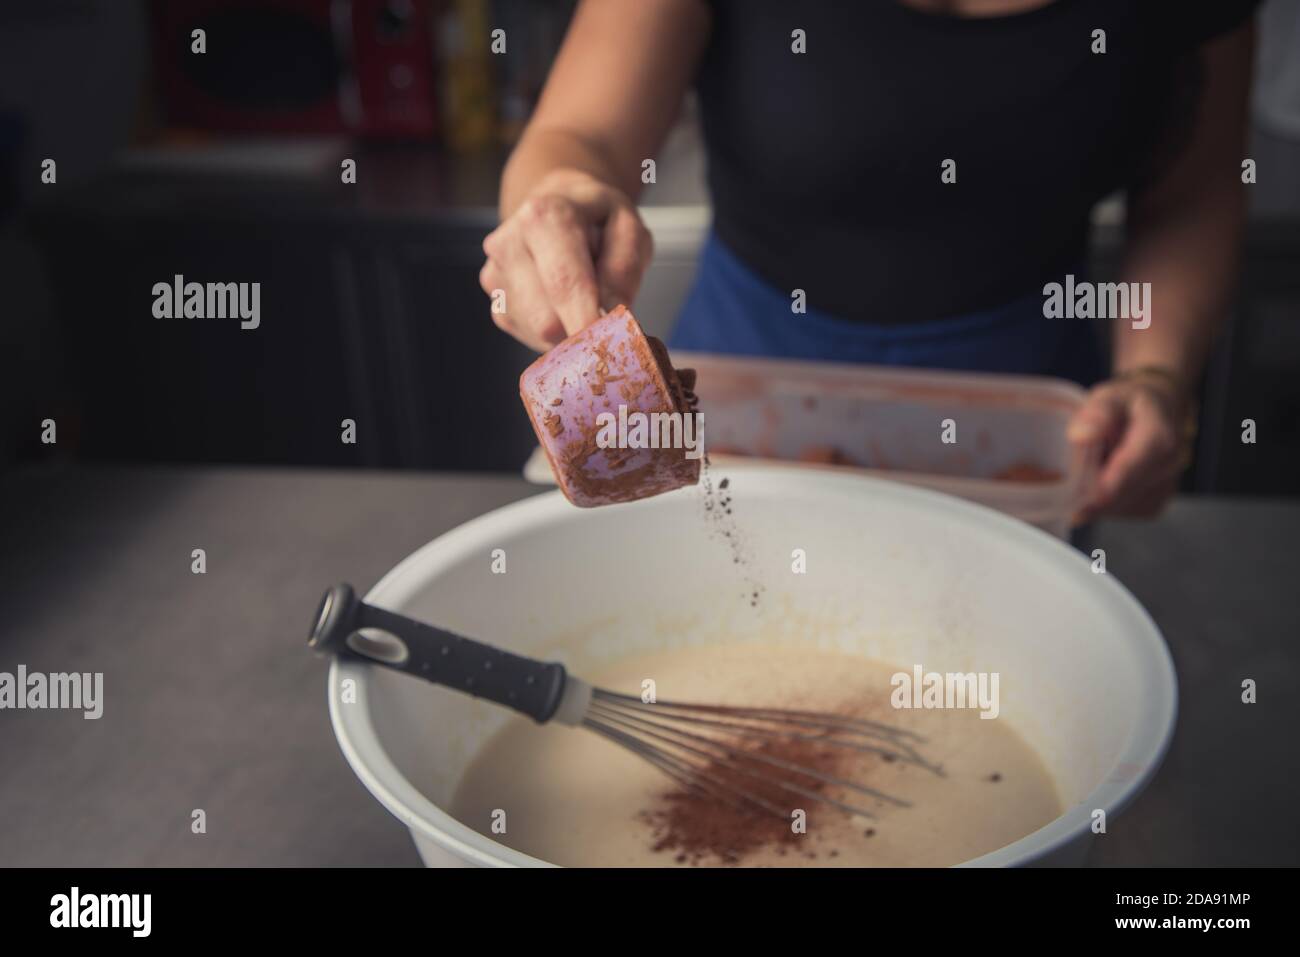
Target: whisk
[731, 754]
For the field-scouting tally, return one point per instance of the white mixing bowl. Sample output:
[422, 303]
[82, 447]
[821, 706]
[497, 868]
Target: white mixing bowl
[895, 573]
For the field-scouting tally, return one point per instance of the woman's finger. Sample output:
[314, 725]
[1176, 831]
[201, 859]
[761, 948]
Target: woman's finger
[533, 310]
[625, 250]
[1100, 419]
[1146, 452]
[524, 303]
[495, 284]
[556, 238]
[1100, 422]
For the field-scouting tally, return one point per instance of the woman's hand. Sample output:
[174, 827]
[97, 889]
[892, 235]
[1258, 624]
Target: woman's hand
[575, 246]
[1140, 420]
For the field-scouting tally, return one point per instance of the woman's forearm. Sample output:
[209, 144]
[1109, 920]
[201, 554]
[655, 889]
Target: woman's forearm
[571, 242]
[612, 95]
[1189, 255]
[543, 153]
[1185, 228]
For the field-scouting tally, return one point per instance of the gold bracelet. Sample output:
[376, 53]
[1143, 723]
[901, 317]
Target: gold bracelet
[1191, 418]
[1163, 373]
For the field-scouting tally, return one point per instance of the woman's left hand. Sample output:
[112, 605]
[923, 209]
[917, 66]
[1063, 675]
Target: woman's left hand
[1140, 422]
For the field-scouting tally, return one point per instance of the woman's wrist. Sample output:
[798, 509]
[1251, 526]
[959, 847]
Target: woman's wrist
[1169, 362]
[1177, 390]
[548, 160]
[563, 178]
[1167, 377]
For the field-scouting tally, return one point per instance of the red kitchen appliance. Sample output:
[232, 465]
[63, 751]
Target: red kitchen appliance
[363, 67]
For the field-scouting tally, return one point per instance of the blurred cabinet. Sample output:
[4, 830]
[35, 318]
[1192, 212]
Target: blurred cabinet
[371, 311]
[379, 322]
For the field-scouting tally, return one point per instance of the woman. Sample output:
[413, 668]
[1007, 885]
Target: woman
[914, 173]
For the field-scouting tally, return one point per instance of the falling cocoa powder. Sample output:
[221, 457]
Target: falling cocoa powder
[717, 512]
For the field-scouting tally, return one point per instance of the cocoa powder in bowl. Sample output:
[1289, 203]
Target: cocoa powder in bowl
[713, 824]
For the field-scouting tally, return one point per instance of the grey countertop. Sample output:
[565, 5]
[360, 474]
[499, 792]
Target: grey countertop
[213, 702]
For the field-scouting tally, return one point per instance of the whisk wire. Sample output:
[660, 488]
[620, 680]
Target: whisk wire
[815, 718]
[896, 749]
[681, 771]
[656, 733]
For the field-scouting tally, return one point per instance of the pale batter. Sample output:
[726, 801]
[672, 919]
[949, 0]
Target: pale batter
[569, 797]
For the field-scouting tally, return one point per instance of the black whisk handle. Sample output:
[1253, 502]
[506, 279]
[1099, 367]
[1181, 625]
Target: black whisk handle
[345, 625]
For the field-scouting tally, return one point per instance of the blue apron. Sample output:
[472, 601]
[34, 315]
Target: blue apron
[732, 310]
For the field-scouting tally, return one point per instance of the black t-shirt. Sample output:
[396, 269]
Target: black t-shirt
[825, 166]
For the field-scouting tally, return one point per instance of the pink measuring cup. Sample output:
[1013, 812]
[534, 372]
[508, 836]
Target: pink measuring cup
[584, 398]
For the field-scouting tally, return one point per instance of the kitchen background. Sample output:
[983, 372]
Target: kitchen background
[225, 167]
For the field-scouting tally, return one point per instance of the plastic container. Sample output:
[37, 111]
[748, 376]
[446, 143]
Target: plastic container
[892, 423]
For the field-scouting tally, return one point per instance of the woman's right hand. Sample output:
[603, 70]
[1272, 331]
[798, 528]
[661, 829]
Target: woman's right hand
[575, 246]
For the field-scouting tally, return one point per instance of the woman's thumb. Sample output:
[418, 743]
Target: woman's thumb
[1100, 417]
